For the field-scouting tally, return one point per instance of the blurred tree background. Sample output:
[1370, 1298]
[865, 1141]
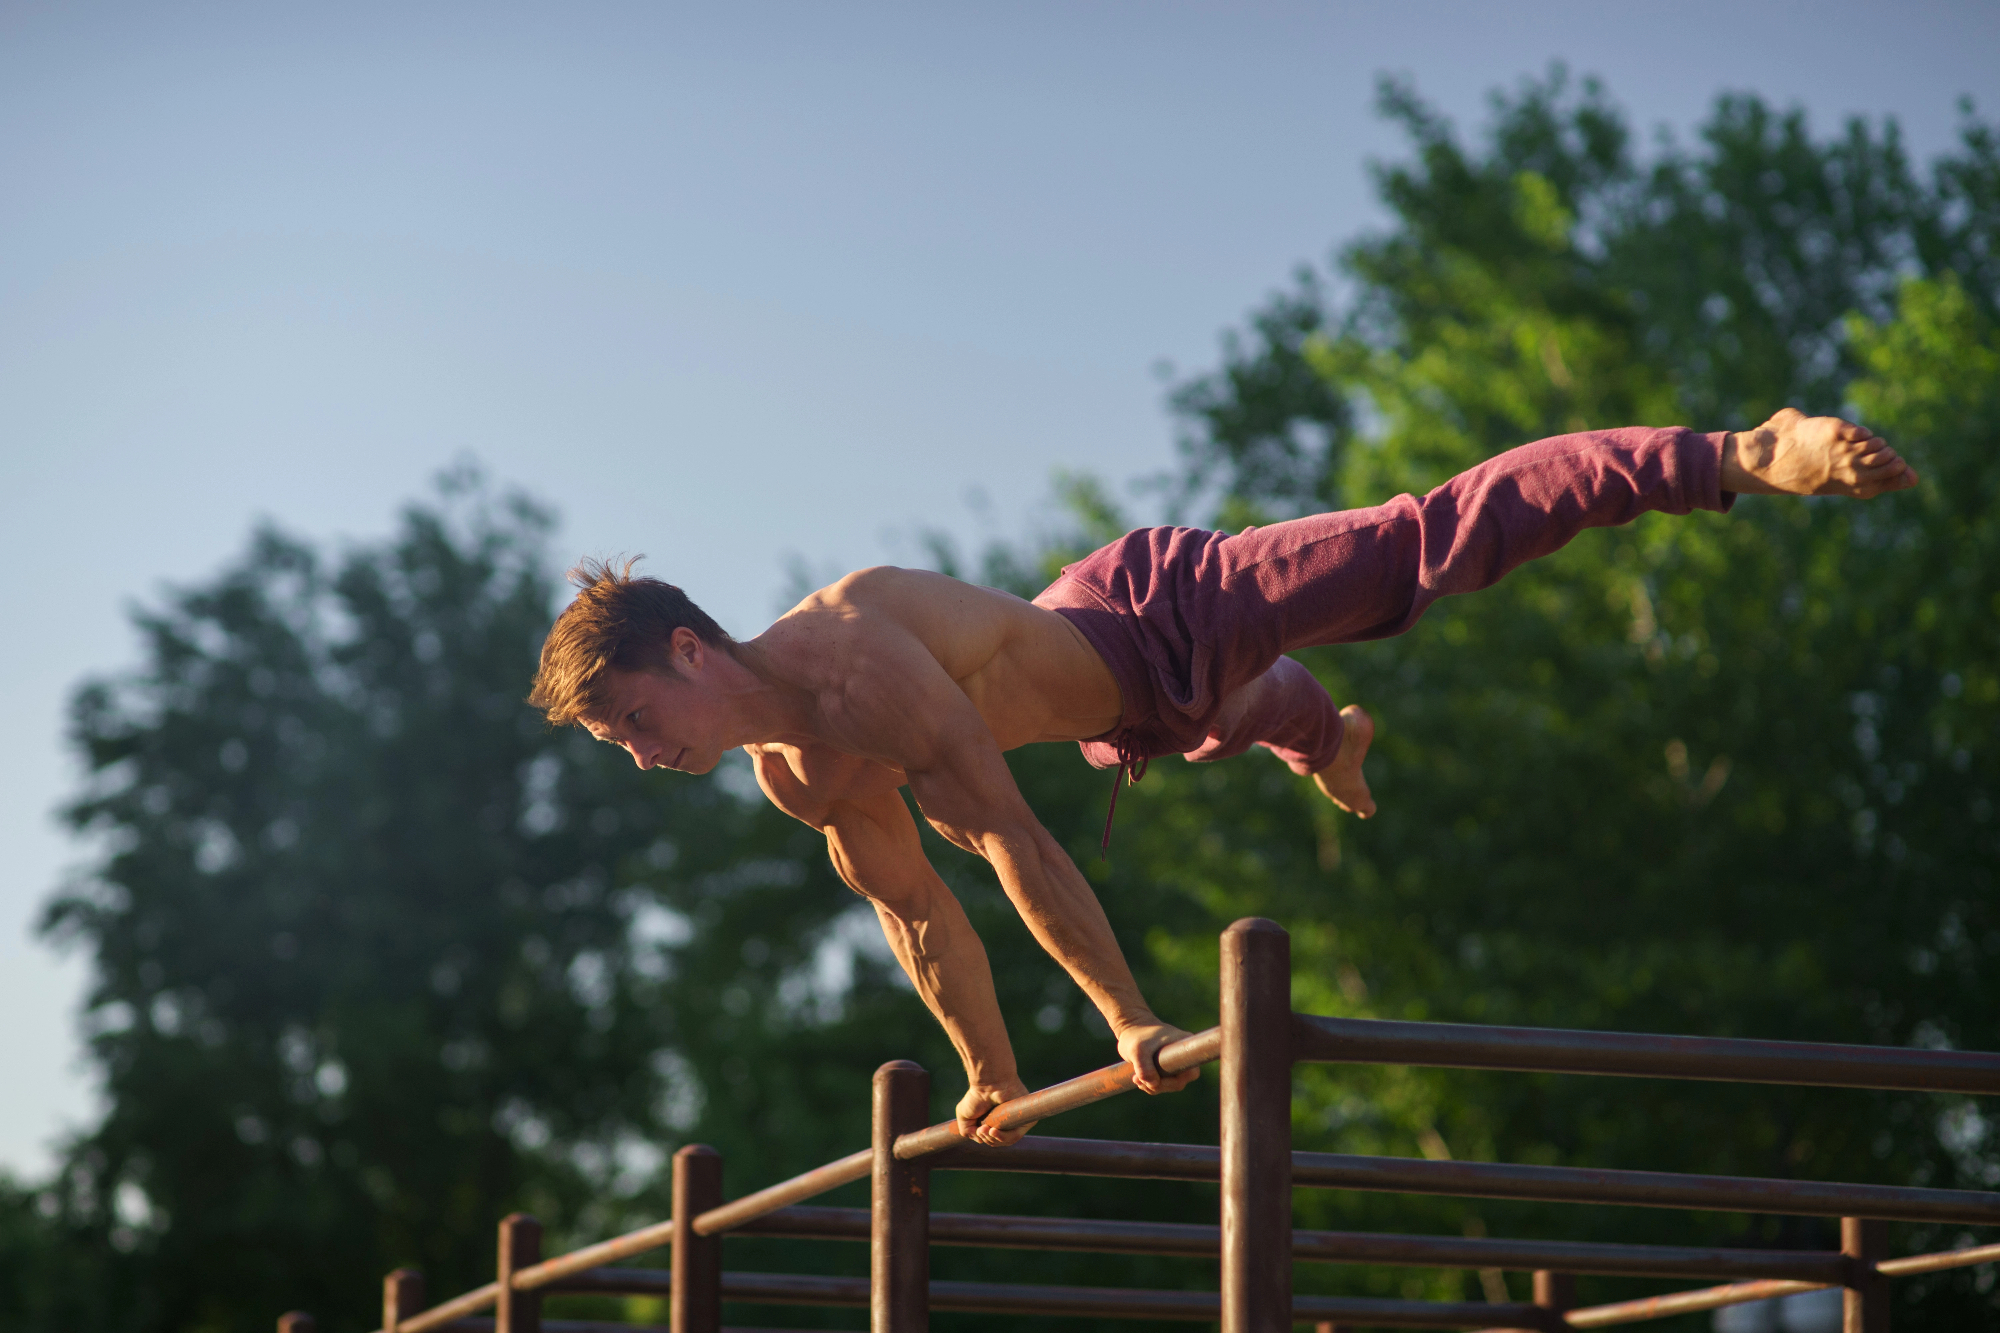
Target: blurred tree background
[379, 957]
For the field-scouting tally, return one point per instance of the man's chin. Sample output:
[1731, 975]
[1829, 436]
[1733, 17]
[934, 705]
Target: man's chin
[697, 764]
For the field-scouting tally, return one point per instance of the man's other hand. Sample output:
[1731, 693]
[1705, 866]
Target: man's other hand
[1140, 1046]
[981, 1098]
[1794, 454]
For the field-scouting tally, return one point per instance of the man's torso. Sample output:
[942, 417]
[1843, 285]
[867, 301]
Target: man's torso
[1027, 670]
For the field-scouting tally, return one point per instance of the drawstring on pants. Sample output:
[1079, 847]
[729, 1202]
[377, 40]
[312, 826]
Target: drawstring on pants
[1131, 763]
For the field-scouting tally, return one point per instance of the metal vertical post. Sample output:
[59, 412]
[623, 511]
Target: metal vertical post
[402, 1296]
[520, 1247]
[296, 1321]
[694, 1304]
[1555, 1293]
[1865, 1242]
[899, 1241]
[1256, 1128]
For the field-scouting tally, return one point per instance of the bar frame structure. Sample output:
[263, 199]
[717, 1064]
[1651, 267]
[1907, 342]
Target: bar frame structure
[1258, 1041]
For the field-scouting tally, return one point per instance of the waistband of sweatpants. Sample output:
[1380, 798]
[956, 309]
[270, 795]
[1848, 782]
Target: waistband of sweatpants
[1108, 631]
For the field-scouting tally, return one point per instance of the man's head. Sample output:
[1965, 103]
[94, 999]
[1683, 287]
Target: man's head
[622, 636]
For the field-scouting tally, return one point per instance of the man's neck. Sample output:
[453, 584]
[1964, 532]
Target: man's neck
[768, 706]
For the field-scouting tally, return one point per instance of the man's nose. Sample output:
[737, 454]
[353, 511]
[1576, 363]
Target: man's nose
[643, 755]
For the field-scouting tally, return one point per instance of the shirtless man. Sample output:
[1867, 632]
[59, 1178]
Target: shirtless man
[1169, 640]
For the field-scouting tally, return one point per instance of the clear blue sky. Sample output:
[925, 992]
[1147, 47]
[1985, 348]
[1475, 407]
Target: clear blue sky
[725, 283]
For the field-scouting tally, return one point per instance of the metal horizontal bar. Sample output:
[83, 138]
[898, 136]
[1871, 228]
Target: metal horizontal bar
[1088, 1157]
[854, 1166]
[1649, 1189]
[1346, 1247]
[1115, 1303]
[1376, 1312]
[1594, 1257]
[552, 1271]
[1494, 1180]
[1639, 1055]
[1095, 1086]
[794, 1289]
[1685, 1302]
[562, 1326]
[620, 1281]
[1938, 1262]
[472, 1302]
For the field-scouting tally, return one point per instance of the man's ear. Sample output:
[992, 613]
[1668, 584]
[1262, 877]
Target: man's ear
[685, 650]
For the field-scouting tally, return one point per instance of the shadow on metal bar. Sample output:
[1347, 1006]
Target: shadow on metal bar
[1258, 1042]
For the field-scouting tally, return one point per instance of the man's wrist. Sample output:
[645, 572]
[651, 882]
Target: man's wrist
[991, 1076]
[1130, 1018]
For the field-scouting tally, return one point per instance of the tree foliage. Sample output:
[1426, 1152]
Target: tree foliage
[1714, 775]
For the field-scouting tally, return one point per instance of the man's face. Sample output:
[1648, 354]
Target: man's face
[663, 719]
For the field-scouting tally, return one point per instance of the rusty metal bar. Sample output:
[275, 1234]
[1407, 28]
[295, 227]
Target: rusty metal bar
[1492, 1180]
[590, 1326]
[402, 1296]
[1095, 1086]
[296, 1321]
[1117, 1303]
[1938, 1262]
[1256, 1128]
[1555, 1292]
[520, 1247]
[1865, 1297]
[1089, 1157]
[457, 1308]
[1648, 1189]
[1090, 1235]
[809, 1184]
[694, 1304]
[552, 1271]
[1682, 1302]
[619, 1281]
[899, 1247]
[1571, 1256]
[1642, 1055]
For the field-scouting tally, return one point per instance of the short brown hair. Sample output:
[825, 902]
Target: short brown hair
[618, 622]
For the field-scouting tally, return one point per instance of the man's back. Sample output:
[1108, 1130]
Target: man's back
[1027, 670]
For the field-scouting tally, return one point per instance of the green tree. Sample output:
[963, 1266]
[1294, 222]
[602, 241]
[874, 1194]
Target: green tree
[365, 975]
[1727, 776]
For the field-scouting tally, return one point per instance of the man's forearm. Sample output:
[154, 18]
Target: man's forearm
[1067, 920]
[944, 959]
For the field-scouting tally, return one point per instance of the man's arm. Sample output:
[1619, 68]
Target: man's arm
[874, 846]
[964, 788]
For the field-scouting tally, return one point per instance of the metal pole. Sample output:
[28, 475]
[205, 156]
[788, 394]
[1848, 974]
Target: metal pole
[694, 1303]
[402, 1296]
[1556, 1293]
[899, 1246]
[520, 1247]
[295, 1321]
[1256, 1128]
[1865, 1307]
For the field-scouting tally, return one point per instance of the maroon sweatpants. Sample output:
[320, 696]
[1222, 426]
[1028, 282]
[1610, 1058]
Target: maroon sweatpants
[1194, 624]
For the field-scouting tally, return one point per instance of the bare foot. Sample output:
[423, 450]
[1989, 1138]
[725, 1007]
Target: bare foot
[1341, 780]
[1794, 454]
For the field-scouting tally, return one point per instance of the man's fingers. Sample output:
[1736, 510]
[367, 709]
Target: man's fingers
[1002, 1138]
[1150, 1079]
